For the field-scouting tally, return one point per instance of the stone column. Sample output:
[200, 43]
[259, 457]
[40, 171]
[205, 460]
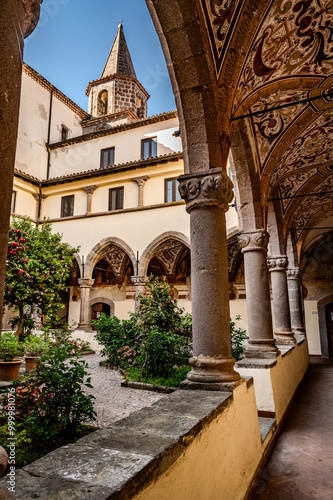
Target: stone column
[139, 282]
[141, 181]
[207, 196]
[295, 300]
[17, 20]
[90, 191]
[259, 315]
[85, 285]
[277, 266]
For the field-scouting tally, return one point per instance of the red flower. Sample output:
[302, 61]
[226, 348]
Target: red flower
[25, 261]
[22, 240]
[20, 271]
[20, 248]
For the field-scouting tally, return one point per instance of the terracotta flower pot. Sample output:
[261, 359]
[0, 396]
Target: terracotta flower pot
[30, 362]
[9, 370]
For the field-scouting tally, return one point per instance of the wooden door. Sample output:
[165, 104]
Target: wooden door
[329, 323]
[97, 309]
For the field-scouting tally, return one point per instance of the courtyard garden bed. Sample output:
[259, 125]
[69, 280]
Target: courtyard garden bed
[155, 344]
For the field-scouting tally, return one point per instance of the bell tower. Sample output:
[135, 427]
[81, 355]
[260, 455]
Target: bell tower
[118, 92]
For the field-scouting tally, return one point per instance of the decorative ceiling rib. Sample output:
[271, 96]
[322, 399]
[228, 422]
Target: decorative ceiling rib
[267, 54]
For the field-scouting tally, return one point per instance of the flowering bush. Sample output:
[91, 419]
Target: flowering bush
[118, 337]
[38, 265]
[52, 402]
[155, 339]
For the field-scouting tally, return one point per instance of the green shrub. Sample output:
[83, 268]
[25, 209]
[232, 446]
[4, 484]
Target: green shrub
[35, 346]
[238, 335]
[118, 338]
[52, 402]
[10, 348]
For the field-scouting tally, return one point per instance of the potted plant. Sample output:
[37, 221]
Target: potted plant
[33, 348]
[10, 350]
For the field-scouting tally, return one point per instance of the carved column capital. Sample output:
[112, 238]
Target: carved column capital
[32, 12]
[277, 263]
[210, 188]
[141, 180]
[256, 240]
[139, 280]
[90, 189]
[294, 273]
[86, 282]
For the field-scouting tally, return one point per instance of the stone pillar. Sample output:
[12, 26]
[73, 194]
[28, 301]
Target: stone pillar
[259, 315]
[90, 191]
[17, 20]
[141, 181]
[139, 282]
[295, 300]
[207, 196]
[85, 285]
[277, 266]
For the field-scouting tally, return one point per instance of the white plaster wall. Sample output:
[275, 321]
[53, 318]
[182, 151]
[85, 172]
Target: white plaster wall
[63, 115]
[312, 326]
[31, 154]
[86, 155]
[138, 229]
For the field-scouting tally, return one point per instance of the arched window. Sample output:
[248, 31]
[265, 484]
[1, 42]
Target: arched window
[102, 105]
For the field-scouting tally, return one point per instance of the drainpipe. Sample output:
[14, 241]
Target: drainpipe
[39, 205]
[49, 136]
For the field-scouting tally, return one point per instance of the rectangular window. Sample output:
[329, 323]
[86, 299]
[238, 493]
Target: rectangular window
[64, 133]
[171, 191]
[116, 198]
[67, 206]
[13, 205]
[148, 148]
[107, 157]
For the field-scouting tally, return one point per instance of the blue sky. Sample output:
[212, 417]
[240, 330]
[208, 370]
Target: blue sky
[73, 39]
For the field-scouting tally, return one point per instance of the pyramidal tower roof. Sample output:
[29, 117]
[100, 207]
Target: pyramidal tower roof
[119, 61]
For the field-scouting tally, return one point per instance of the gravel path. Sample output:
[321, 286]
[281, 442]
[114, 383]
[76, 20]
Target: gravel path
[114, 402]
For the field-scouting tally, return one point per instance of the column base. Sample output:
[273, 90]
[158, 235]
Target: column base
[84, 326]
[262, 349]
[209, 370]
[210, 386]
[284, 337]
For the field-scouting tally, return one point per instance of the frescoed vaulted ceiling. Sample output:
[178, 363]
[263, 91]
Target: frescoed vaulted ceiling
[279, 54]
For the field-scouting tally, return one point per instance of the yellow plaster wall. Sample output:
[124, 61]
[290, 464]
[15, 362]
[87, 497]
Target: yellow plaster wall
[286, 376]
[223, 458]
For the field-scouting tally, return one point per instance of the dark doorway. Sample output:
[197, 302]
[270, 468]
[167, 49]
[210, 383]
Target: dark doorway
[329, 323]
[98, 309]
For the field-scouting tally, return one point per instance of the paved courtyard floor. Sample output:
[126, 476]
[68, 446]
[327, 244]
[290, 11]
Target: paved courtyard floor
[114, 402]
[301, 465]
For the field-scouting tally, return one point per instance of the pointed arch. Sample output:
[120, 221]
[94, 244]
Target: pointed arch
[97, 252]
[149, 252]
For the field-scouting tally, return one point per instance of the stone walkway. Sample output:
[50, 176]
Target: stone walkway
[301, 465]
[114, 402]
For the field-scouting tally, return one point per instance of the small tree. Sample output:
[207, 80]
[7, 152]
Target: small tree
[38, 266]
[165, 330]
